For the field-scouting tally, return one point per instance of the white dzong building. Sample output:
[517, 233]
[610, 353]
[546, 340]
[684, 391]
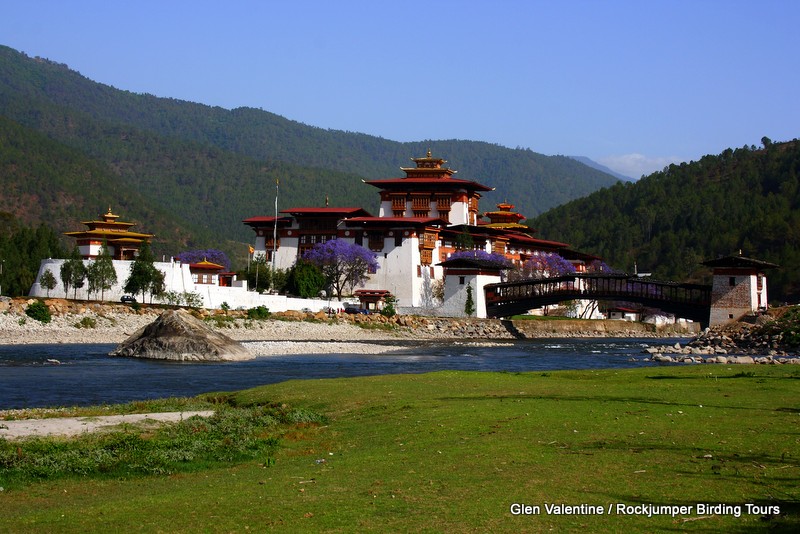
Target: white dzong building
[423, 217]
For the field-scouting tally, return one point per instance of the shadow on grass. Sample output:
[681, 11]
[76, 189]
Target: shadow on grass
[743, 374]
[598, 398]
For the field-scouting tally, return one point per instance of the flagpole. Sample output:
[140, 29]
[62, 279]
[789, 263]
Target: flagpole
[275, 233]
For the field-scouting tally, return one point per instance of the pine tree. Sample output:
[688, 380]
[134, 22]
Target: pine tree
[73, 273]
[469, 305]
[48, 281]
[142, 272]
[102, 274]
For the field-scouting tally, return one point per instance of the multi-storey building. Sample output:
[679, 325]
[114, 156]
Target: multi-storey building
[423, 218]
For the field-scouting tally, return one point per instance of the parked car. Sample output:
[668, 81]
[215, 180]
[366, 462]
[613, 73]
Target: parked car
[127, 299]
[353, 310]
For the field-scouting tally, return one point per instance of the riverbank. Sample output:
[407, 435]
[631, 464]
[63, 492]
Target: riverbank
[417, 452]
[80, 322]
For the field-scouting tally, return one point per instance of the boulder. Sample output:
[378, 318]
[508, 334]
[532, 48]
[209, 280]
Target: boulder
[176, 335]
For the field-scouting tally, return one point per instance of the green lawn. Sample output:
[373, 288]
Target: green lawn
[452, 451]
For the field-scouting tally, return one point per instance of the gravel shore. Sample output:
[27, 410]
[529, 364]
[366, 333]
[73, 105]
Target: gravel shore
[116, 328]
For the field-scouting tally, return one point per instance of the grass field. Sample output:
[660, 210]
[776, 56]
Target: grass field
[455, 451]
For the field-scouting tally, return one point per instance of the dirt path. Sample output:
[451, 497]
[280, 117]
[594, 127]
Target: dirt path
[73, 426]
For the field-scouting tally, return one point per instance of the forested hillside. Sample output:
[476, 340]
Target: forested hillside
[197, 151]
[746, 199]
[45, 182]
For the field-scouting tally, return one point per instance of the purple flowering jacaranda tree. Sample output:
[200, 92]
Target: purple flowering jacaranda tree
[547, 265]
[480, 255]
[345, 265]
[213, 255]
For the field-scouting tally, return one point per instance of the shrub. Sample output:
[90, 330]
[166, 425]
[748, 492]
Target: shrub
[388, 307]
[193, 300]
[221, 321]
[38, 310]
[172, 298]
[259, 312]
[86, 322]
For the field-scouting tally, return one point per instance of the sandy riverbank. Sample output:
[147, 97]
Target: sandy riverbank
[115, 328]
[76, 322]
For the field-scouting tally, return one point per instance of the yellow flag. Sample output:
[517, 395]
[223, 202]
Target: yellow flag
[251, 249]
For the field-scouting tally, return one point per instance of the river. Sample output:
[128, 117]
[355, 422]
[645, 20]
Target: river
[82, 375]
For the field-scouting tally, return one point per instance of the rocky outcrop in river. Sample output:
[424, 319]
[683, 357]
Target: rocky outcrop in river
[176, 335]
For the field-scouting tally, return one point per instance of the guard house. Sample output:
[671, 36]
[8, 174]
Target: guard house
[739, 287]
[461, 272]
[122, 243]
[372, 299]
[206, 272]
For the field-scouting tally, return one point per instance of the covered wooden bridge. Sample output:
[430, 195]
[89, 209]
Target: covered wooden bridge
[690, 301]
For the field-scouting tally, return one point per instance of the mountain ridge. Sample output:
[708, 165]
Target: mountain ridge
[747, 199]
[49, 97]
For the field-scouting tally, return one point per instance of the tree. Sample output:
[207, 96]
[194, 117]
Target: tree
[259, 276]
[544, 265]
[48, 281]
[143, 272]
[158, 285]
[78, 277]
[464, 241]
[305, 279]
[73, 272]
[343, 264]
[469, 304]
[22, 250]
[389, 309]
[101, 273]
[213, 255]
[480, 255]
[91, 277]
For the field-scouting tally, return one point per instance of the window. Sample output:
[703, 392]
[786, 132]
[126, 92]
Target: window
[203, 278]
[426, 256]
[732, 281]
[376, 242]
[461, 280]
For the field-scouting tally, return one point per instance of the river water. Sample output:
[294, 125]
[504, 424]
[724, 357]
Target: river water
[83, 375]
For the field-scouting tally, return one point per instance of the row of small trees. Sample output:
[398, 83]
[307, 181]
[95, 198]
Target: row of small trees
[101, 275]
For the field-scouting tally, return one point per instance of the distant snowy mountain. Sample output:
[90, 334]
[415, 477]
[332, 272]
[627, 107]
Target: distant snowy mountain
[593, 164]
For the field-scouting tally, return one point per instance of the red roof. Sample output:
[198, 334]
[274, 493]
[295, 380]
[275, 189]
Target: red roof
[397, 221]
[394, 183]
[206, 265]
[327, 211]
[263, 220]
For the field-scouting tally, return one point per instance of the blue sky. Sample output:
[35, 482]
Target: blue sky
[634, 85]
